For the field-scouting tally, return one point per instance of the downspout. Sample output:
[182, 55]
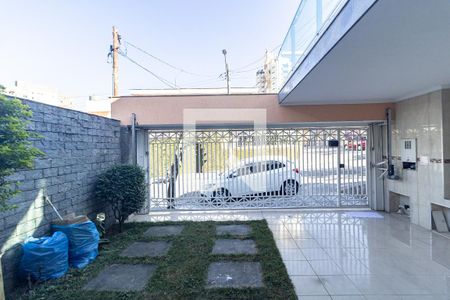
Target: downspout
[133, 139]
[389, 142]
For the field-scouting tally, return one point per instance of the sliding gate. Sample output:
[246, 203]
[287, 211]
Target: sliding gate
[272, 168]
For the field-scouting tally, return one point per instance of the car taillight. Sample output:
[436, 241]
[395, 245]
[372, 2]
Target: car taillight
[296, 170]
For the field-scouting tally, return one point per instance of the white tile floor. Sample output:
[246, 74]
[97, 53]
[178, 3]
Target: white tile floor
[330, 255]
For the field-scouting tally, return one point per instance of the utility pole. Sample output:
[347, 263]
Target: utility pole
[227, 71]
[115, 55]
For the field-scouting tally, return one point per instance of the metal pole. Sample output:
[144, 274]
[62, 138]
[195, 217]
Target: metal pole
[339, 167]
[318, 15]
[133, 139]
[293, 49]
[2, 288]
[389, 141]
[54, 208]
[227, 71]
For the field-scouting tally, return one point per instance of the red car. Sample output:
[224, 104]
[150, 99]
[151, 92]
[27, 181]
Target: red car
[355, 145]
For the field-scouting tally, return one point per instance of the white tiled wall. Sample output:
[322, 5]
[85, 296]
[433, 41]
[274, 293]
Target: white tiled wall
[446, 140]
[421, 118]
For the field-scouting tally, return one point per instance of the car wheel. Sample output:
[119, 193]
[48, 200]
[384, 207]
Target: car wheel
[290, 188]
[221, 196]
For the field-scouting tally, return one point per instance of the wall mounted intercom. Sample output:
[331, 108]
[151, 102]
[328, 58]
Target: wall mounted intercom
[408, 153]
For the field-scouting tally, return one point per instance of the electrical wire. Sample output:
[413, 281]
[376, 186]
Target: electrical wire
[208, 78]
[256, 61]
[91, 95]
[217, 79]
[238, 70]
[250, 64]
[249, 70]
[166, 82]
[166, 63]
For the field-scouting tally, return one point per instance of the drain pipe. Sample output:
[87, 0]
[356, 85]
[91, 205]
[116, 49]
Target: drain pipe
[389, 142]
[133, 139]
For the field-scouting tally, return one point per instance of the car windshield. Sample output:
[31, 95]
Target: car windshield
[247, 168]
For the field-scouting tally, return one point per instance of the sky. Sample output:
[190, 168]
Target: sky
[64, 44]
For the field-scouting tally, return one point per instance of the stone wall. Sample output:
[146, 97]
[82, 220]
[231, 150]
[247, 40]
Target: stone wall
[78, 148]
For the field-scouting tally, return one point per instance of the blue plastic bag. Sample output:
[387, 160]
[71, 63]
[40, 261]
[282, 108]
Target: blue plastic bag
[46, 257]
[83, 242]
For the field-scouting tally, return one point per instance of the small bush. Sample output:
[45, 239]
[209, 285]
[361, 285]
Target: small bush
[123, 187]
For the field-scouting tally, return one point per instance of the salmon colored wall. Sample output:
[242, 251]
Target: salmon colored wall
[168, 110]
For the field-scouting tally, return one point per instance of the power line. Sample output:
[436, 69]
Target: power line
[203, 81]
[257, 60]
[238, 70]
[207, 78]
[86, 96]
[249, 70]
[166, 63]
[250, 64]
[222, 77]
[166, 82]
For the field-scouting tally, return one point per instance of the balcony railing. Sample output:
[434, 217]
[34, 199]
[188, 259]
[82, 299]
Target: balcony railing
[310, 21]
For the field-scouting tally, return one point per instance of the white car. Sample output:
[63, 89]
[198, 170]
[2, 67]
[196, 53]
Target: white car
[255, 177]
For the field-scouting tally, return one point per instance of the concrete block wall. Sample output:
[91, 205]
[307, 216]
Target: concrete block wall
[78, 148]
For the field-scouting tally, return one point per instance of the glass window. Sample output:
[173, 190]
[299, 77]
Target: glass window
[273, 165]
[245, 170]
[259, 167]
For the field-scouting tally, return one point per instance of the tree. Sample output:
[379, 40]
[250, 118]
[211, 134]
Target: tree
[16, 150]
[123, 187]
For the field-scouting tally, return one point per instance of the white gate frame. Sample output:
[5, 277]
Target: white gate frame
[143, 150]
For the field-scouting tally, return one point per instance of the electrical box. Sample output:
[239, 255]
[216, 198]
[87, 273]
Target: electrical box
[333, 143]
[408, 153]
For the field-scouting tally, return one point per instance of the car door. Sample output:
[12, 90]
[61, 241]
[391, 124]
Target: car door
[247, 179]
[270, 176]
[238, 182]
[275, 175]
[256, 180]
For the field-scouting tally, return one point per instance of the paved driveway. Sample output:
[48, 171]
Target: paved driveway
[349, 254]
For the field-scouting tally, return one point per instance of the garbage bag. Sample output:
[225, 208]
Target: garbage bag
[46, 257]
[83, 242]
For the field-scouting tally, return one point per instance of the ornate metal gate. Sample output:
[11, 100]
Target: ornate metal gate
[273, 168]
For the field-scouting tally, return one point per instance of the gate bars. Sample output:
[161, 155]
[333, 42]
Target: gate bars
[197, 170]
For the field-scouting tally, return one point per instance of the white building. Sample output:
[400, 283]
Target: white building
[268, 77]
[37, 93]
[94, 104]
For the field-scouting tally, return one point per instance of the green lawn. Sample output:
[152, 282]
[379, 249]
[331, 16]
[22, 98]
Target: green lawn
[182, 273]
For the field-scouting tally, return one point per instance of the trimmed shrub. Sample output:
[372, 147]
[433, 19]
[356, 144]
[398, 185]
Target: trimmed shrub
[123, 187]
